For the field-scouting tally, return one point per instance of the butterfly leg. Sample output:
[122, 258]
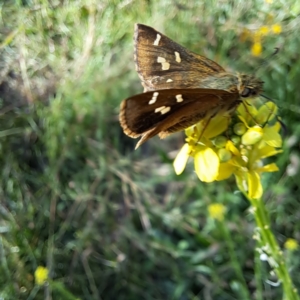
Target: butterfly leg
[204, 127]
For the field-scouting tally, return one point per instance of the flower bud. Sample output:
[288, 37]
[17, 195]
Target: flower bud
[224, 155]
[220, 141]
[236, 140]
[239, 128]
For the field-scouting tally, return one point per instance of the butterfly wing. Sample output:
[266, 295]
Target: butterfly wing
[165, 111]
[163, 64]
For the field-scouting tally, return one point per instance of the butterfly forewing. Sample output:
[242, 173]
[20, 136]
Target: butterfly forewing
[167, 111]
[163, 64]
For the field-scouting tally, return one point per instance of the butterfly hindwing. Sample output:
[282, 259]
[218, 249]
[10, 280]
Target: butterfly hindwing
[171, 110]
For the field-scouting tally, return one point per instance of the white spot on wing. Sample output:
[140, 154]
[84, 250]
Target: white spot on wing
[156, 42]
[177, 57]
[152, 101]
[169, 80]
[179, 98]
[165, 66]
[159, 109]
[165, 110]
[154, 98]
[161, 59]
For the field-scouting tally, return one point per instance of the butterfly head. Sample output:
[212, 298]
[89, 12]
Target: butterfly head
[250, 86]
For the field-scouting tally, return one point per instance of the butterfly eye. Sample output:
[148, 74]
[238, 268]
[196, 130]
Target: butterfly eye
[247, 92]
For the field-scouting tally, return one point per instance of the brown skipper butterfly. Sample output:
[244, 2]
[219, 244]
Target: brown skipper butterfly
[180, 88]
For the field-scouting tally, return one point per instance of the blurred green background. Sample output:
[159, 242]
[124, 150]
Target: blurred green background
[110, 222]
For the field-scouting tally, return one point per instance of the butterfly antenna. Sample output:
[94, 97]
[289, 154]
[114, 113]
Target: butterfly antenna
[277, 117]
[264, 62]
[283, 126]
[266, 97]
[267, 59]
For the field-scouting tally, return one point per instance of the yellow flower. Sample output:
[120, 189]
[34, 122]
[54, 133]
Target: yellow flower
[256, 144]
[41, 275]
[256, 49]
[217, 211]
[276, 29]
[200, 146]
[291, 244]
[240, 152]
[262, 31]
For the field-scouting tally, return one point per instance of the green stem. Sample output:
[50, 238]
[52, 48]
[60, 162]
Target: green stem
[272, 249]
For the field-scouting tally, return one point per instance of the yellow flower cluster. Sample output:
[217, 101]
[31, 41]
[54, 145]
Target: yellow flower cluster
[291, 244]
[223, 146]
[257, 36]
[217, 211]
[41, 275]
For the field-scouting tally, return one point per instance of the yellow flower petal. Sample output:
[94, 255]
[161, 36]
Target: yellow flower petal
[272, 137]
[225, 171]
[206, 164]
[255, 189]
[267, 151]
[231, 147]
[277, 126]
[266, 113]
[247, 111]
[241, 181]
[243, 119]
[215, 126]
[268, 168]
[237, 161]
[181, 159]
[190, 130]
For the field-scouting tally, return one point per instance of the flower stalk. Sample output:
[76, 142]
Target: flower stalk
[272, 249]
[237, 145]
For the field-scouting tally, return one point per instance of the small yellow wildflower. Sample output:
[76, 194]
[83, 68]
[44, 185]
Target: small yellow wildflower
[276, 29]
[41, 275]
[256, 49]
[200, 147]
[263, 30]
[291, 244]
[217, 211]
[239, 152]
